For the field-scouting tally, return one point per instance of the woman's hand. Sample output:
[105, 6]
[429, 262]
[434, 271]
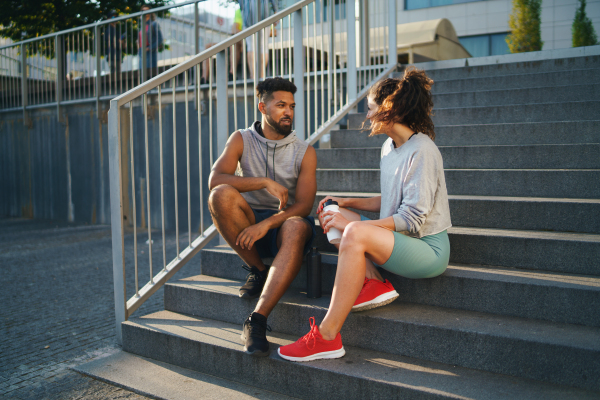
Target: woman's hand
[332, 219]
[339, 200]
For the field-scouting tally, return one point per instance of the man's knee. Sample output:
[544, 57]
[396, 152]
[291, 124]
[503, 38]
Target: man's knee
[296, 229]
[223, 197]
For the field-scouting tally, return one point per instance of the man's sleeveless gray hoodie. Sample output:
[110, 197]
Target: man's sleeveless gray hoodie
[279, 160]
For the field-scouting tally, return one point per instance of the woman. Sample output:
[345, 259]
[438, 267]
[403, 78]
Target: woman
[410, 238]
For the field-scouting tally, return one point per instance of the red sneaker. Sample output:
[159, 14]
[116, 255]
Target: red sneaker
[312, 346]
[374, 293]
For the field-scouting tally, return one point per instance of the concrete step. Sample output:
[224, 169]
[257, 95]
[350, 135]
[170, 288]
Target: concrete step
[471, 83]
[576, 253]
[540, 112]
[558, 297]
[520, 213]
[472, 98]
[159, 380]
[213, 347]
[516, 68]
[571, 132]
[534, 250]
[547, 351]
[554, 156]
[575, 183]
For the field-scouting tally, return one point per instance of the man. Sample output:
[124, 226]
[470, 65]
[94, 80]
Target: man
[154, 43]
[250, 16]
[264, 211]
[113, 41]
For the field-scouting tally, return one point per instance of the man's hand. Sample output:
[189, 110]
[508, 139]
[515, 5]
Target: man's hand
[250, 235]
[278, 191]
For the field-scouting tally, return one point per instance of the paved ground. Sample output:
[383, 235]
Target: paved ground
[57, 306]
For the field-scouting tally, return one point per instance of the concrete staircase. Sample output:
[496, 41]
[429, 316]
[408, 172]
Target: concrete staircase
[516, 315]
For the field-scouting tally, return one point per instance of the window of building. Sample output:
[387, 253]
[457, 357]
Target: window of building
[415, 4]
[485, 45]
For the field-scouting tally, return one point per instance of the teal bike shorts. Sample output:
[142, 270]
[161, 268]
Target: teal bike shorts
[417, 258]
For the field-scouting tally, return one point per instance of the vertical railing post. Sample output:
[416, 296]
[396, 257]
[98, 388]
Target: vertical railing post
[143, 71]
[60, 76]
[222, 102]
[331, 55]
[98, 67]
[196, 51]
[196, 26]
[116, 216]
[299, 76]
[24, 82]
[222, 108]
[365, 45]
[351, 83]
[393, 45]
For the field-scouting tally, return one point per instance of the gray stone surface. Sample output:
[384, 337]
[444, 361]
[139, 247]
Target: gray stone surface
[206, 345]
[562, 92]
[554, 156]
[526, 213]
[472, 83]
[510, 64]
[488, 134]
[540, 112]
[169, 382]
[517, 213]
[558, 297]
[506, 182]
[535, 250]
[58, 308]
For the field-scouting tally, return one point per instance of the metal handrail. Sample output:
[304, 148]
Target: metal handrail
[82, 52]
[99, 23]
[208, 53]
[329, 94]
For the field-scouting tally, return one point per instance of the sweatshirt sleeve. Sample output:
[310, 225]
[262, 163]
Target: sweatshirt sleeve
[419, 187]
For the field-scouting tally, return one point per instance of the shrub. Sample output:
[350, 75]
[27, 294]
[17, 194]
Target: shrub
[525, 25]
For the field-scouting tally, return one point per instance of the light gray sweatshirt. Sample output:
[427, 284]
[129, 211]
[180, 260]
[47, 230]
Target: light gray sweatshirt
[413, 188]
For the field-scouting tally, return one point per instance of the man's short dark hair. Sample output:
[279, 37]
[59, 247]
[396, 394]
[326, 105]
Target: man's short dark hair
[265, 89]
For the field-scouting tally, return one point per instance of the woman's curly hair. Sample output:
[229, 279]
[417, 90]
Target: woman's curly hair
[404, 101]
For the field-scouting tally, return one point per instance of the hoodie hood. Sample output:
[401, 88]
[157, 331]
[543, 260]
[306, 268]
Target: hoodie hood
[291, 138]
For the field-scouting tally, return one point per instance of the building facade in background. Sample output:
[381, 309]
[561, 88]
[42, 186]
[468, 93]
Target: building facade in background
[482, 26]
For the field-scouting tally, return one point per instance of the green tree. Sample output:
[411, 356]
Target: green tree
[583, 29]
[525, 25]
[24, 19]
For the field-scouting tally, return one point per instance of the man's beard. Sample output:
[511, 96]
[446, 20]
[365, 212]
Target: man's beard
[284, 130]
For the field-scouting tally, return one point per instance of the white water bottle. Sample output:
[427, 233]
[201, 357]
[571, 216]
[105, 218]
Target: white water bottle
[334, 235]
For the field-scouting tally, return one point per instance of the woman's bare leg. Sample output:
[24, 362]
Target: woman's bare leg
[371, 271]
[360, 240]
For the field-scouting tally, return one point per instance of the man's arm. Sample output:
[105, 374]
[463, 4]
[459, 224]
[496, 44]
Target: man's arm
[306, 190]
[223, 172]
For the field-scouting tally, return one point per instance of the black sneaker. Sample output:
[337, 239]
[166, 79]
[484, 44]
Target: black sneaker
[254, 335]
[255, 281]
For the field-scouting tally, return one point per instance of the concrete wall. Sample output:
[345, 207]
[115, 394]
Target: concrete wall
[53, 169]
